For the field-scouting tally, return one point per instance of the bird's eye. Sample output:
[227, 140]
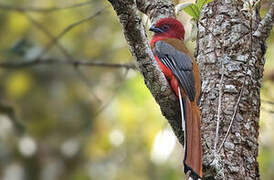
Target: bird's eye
[165, 27]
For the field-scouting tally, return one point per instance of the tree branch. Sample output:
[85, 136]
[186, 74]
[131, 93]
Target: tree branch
[136, 37]
[68, 28]
[69, 57]
[8, 7]
[266, 24]
[51, 61]
[156, 9]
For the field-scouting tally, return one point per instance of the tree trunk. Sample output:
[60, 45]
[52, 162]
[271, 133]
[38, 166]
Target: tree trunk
[230, 51]
[231, 60]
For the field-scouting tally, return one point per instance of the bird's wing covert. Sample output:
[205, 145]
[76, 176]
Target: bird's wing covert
[179, 63]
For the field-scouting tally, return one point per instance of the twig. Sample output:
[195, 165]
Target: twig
[69, 56]
[49, 34]
[8, 7]
[233, 116]
[69, 61]
[219, 107]
[221, 85]
[53, 41]
[245, 77]
[266, 24]
[51, 61]
[67, 29]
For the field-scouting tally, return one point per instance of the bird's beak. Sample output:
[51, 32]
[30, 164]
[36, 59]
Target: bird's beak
[155, 29]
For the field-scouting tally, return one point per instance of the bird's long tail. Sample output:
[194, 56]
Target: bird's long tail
[192, 137]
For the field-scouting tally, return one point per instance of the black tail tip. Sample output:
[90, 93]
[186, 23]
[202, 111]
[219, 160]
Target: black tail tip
[193, 174]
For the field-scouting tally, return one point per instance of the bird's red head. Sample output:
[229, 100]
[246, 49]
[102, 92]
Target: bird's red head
[167, 28]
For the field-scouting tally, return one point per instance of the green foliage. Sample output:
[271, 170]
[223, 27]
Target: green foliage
[201, 3]
[193, 9]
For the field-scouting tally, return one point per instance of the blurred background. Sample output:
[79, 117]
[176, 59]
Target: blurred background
[65, 114]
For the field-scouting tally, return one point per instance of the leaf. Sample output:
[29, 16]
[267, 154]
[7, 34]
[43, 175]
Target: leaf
[193, 11]
[189, 8]
[201, 3]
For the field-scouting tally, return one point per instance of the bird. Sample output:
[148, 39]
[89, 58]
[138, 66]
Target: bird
[181, 71]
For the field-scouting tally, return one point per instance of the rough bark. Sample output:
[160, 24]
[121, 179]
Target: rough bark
[231, 59]
[227, 48]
